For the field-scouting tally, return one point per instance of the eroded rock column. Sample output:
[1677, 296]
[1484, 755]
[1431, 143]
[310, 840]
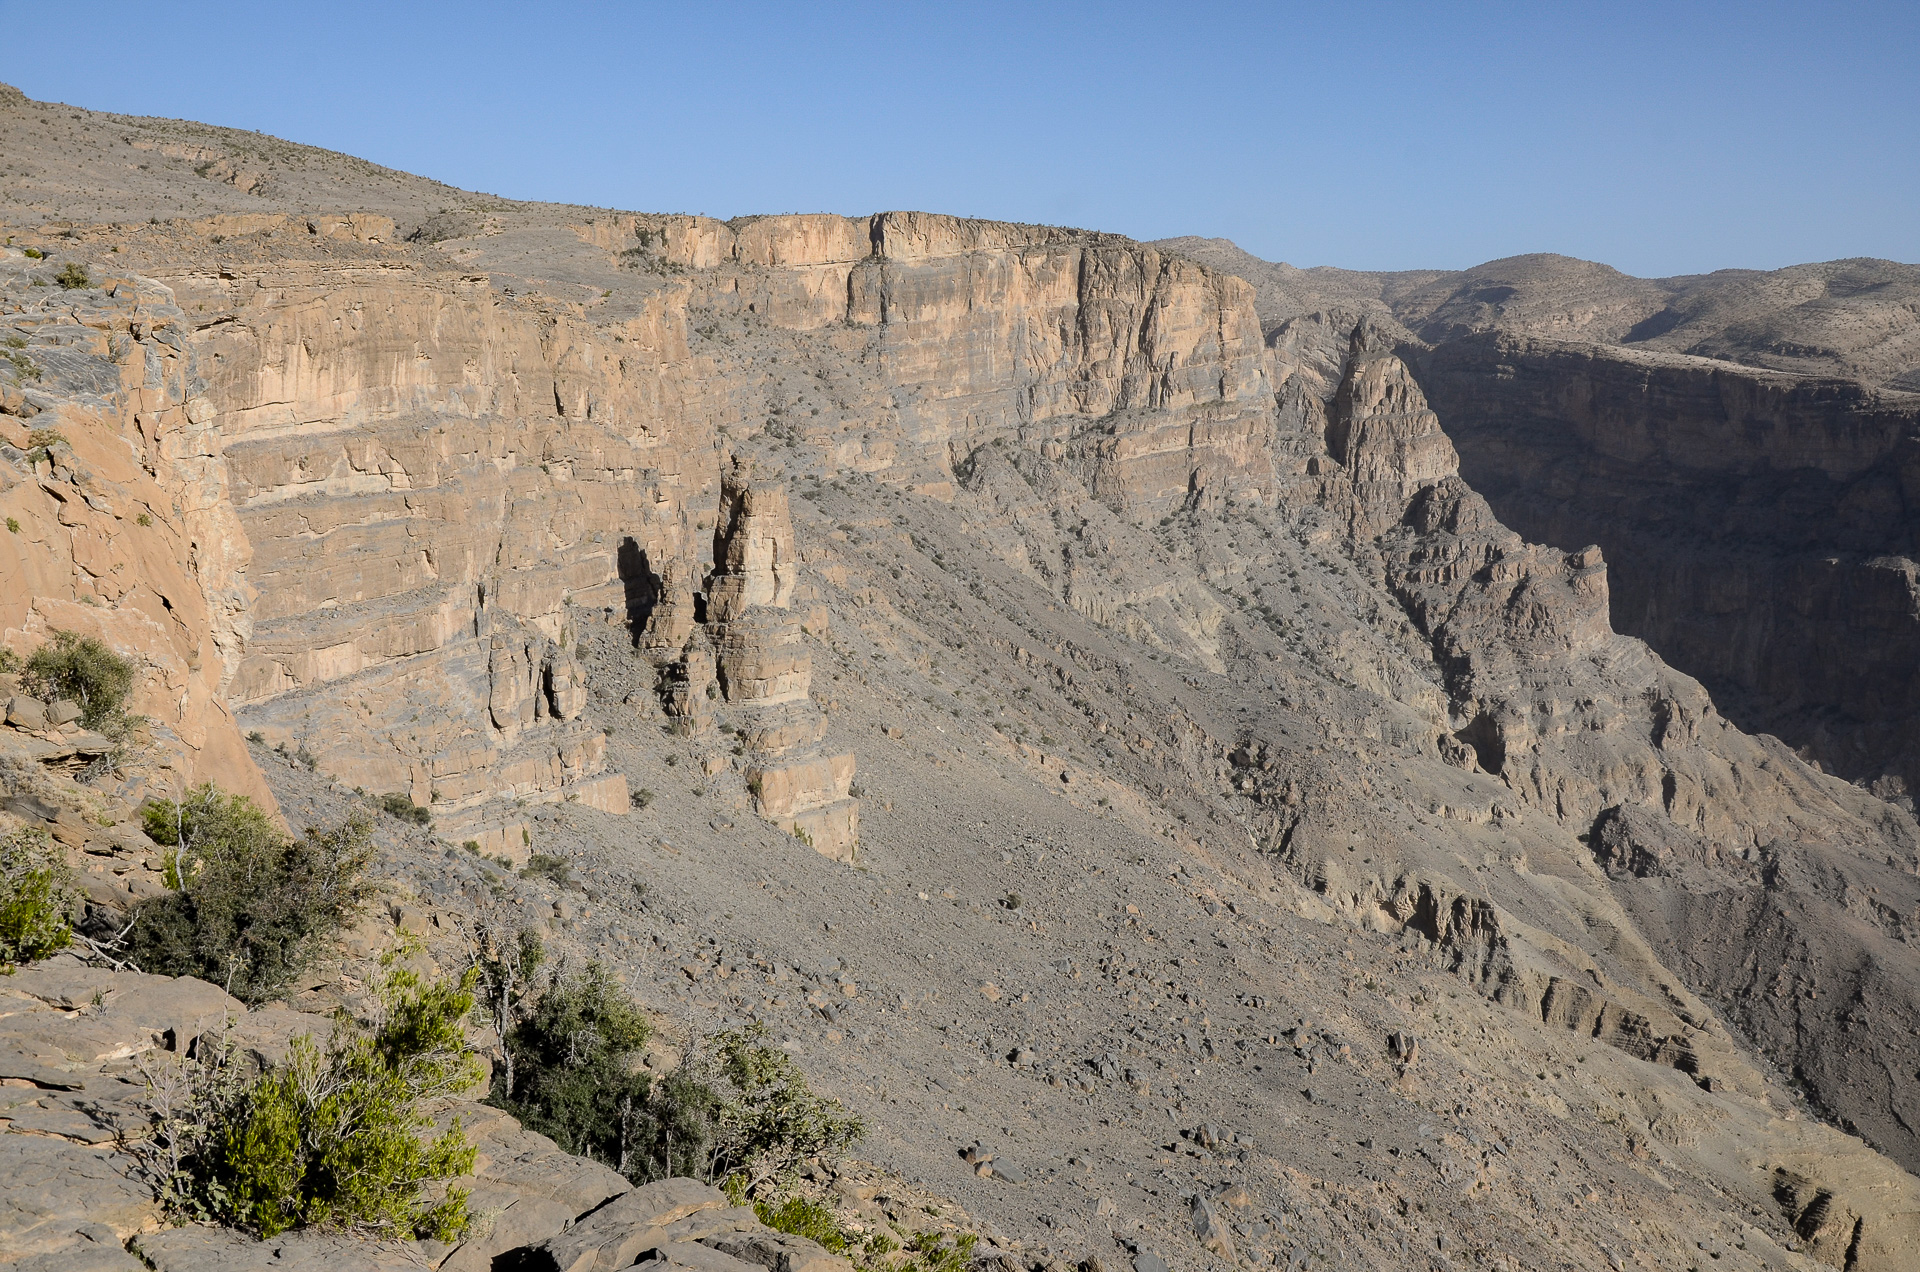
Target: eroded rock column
[748, 653]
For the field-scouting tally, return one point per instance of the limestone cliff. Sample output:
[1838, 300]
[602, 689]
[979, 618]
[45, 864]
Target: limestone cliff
[1761, 525]
[119, 520]
[1203, 642]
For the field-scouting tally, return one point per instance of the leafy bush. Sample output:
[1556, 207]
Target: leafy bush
[936, 1252]
[73, 275]
[401, 805]
[803, 1217]
[734, 1109]
[557, 870]
[329, 1139]
[37, 896]
[768, 1121]
[253, 908]
[569, 1065]
[85, 670]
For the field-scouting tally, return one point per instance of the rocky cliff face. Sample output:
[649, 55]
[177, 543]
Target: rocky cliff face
[1200, 700]
[1761, 526]
[119, 518]
[432, 483]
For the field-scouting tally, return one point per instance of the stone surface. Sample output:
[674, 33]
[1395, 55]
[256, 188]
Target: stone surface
[619, 1232]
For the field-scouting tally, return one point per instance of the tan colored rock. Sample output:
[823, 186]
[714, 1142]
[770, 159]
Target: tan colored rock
[617, 1233]
[754, 559]
[761, 658]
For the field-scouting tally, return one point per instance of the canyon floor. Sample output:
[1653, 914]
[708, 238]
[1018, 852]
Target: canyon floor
[1082, 710]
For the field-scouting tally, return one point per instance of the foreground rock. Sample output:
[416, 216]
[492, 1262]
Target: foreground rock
[75, 1045]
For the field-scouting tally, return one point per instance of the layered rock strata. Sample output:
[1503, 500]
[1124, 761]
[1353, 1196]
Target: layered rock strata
[119, 523]
[1762, 526]
[435, 482]
[750, 653]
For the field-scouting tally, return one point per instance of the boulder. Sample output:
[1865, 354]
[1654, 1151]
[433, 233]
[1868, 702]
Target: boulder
[63, 711]
[1210, 1228]
[26, 713]
[618, 1233]
[779, 1252]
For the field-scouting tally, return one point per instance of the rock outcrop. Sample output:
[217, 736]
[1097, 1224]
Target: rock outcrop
[749, 652]
[116, 498]
[1151, 629]
[78, 1047]
[1759, 524]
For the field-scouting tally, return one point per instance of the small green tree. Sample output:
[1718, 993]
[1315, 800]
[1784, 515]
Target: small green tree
[507, 970]
[37, 896]
[252, 908]
[84, 670]
[571, 1067]
[331, 1138]
[769, 1120]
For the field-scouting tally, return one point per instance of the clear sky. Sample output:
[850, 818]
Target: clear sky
[1660, 138]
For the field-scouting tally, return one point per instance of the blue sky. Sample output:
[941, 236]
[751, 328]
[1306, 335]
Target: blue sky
[1662, 139]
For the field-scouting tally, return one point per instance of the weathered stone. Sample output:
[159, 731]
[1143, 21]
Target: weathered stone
[27, 713]
[619, 1232]
[779, 1252]
[198, 1248]
[754, 559]
[53, 1190]
[1210, 1230]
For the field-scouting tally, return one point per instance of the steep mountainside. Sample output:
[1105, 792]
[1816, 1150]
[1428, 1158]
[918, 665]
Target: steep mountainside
[1068, 717]
[1737, 443]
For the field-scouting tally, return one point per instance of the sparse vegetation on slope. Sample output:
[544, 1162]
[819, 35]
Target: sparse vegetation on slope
[37, 896]
[253, 907]
[738, 1109]
[84, 670]
[333, 1137]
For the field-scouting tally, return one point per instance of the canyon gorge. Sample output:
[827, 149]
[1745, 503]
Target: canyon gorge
[1451, 730]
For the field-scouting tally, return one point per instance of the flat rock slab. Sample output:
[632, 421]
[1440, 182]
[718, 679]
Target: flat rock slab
[779, 1252]
[201, 1249]
[533, 1165]
[505, 1220]
[60, 1020]
[618, 1233]
[53, 1192]
[94, 1249]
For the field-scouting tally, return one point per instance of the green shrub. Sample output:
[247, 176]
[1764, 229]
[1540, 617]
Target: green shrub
[73, 275]
[253, 908]
[803, 1217]
[34, 253]
[401, 805]
[736, 1110]
[937, 1252]
[768, 1121]
[85, 670]
[9, 661]
[557, 870]
[329, 1139]
[569, 1068]
[37, 896]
